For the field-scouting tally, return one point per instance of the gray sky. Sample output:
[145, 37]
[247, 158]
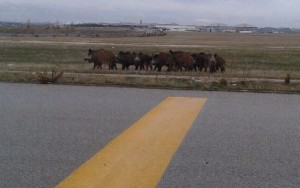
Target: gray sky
[274, 13]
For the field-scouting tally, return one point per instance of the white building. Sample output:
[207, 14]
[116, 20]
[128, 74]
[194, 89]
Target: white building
[175, 27]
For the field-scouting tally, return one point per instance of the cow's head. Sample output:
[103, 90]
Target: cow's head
[89, 58]
[119, 56]
[137, 59]
[154, 59]
[90, 52]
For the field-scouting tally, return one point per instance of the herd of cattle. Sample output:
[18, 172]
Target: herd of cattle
[172, 60]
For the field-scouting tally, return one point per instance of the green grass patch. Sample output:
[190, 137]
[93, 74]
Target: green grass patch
[247, 56]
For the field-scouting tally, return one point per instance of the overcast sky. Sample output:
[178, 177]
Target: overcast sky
[274, 13]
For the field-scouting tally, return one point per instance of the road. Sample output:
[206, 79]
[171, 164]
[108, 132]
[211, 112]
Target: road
[237, 140]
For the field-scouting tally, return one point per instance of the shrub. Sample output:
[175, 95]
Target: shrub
[223, 82]
[287, 79]
[47, 78]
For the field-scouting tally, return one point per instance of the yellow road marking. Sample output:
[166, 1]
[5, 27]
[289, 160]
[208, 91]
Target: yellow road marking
[139, 156]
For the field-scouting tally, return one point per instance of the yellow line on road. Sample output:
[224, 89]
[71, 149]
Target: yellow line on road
[139, 156]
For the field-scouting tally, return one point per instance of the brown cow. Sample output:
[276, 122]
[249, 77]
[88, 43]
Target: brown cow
[100, 57]
[220, 63]
[163, 59]
[184, 60]
[176, 53]
[212, 63]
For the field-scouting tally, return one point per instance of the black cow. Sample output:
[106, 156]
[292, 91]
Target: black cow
[126, 59]
[143, 60]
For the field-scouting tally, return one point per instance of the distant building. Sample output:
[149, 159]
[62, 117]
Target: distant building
[246, 29]
[274, 30]
[150, 28]
[176, 27]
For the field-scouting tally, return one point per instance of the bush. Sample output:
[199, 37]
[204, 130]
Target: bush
[287, 79]
[223, 82]
[47, 78]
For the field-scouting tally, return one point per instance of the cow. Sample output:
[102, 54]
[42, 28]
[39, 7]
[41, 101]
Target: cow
[220, 63]
[163, 59]
[100, 57]
[212, 63]
[126, 59]
[201, 61]
[216, 63]
[143, 60]
[183, 59]
[176, 53]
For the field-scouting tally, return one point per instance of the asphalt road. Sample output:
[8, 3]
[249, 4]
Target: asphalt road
[238, 140]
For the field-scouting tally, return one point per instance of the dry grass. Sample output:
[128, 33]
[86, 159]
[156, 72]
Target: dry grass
[46, 77]
[246, 55]
[156, 82]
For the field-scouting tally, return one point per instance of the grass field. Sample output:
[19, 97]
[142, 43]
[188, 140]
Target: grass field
[246, 55]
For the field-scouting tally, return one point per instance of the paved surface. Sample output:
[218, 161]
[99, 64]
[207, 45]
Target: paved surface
[140, 155]
[238, 140]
